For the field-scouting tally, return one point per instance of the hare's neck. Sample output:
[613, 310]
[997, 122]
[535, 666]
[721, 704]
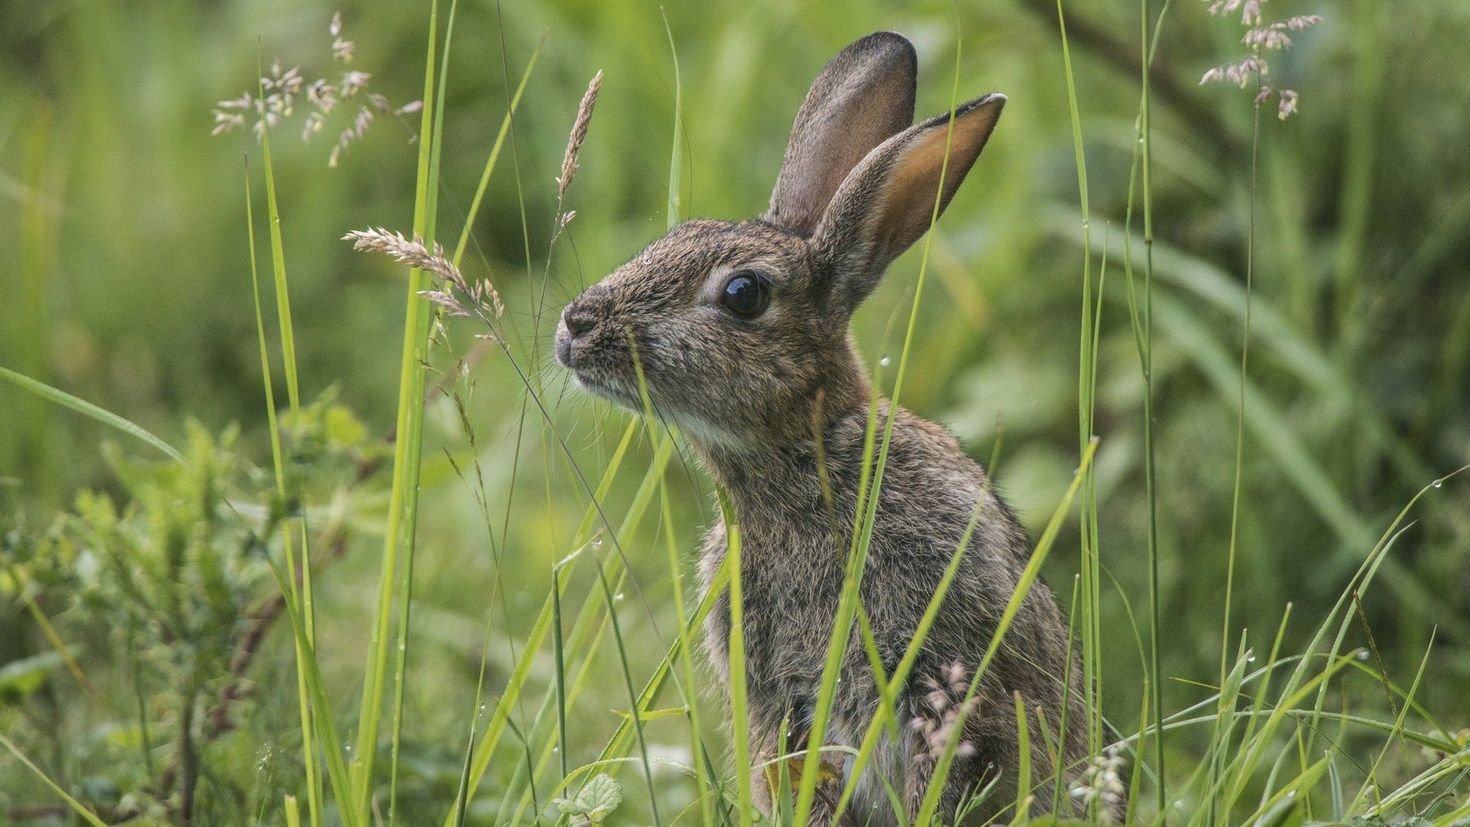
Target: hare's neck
[798, 477]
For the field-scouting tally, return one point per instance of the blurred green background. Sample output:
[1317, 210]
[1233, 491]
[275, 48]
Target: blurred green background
[125, 277]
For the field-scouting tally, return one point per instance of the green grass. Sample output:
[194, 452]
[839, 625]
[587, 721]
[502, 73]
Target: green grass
[1255, 447]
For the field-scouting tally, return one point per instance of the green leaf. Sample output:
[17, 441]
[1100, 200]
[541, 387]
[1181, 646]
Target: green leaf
[26, 675]
[594, 803]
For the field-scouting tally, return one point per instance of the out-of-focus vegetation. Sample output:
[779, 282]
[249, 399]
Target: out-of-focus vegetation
[130, 587]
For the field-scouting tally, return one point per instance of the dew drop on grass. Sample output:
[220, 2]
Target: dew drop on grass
[1250, 657]
[885, 361]
[618, 597]
[597, 542]
[1362, 654]
[1438, 483]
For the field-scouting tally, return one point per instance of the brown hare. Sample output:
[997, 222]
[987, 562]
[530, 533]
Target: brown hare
[742, 332]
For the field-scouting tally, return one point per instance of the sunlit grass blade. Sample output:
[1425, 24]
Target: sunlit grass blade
[86, 408]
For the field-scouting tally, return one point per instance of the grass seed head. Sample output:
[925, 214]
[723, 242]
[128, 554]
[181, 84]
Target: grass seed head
[579, 134]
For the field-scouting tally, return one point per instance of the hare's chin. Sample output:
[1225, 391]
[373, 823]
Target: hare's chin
[611, 391]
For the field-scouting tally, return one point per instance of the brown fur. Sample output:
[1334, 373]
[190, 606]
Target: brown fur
[762, 399]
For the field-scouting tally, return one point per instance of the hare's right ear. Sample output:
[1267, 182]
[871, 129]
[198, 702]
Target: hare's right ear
[863, 96]
[895, 193]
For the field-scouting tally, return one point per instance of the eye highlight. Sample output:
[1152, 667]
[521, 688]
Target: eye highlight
[746, 295]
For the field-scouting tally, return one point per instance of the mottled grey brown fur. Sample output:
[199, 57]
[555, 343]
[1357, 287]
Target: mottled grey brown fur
[766, 401]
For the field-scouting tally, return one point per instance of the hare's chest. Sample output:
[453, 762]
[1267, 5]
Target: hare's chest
[789, 593]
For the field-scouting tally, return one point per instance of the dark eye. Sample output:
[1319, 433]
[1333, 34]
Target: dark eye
[745, 295]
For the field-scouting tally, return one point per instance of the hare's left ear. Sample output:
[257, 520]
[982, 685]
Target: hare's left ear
[863, 96]
[889, 199]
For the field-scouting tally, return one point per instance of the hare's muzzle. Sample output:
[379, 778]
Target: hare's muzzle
[576, 320]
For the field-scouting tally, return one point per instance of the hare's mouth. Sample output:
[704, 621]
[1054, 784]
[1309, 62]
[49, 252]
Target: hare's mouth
[608, 389]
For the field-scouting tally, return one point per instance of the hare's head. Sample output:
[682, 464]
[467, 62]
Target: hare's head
[739, 327]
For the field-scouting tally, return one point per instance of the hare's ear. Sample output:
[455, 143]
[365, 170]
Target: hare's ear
[863, 96]
[890, 198]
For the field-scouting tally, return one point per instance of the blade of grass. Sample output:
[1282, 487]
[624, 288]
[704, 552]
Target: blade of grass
[1023, 780]
[86, 408]
[739, 724]
[494, 157]
[425, 225]
[403, 497]
[76, 806]
[303, 701]
[635, 715]
[326, 728]
[1398, 725]
[1091, 662]
[485, 750]
[675, 154]
[1029, 575]
[905, 666]
[866, 511]
[288, 362]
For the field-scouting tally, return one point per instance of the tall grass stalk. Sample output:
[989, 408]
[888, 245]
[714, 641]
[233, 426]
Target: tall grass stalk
[403, 497]
[308, 748]
[739, 724]
[1245, 339]
[676, 155]
[634, 713]
[287, 333]
[304, 598]
[1156, 627]
[1086, 407]
[1141, 322]
[425, 225]
[867, 499]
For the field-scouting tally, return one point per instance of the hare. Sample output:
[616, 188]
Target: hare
[742, 334]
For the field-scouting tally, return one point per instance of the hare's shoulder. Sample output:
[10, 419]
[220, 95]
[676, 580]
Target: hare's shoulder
[934, 489]
[926, 454]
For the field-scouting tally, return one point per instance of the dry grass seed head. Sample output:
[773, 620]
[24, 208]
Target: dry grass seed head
[579, 134]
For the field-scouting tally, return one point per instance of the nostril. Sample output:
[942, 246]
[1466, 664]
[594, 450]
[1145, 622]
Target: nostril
[577, 319]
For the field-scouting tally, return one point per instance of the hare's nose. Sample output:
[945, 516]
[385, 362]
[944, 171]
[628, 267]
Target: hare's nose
[578, 319]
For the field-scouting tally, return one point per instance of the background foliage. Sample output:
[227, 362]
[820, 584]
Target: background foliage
[126, 280]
